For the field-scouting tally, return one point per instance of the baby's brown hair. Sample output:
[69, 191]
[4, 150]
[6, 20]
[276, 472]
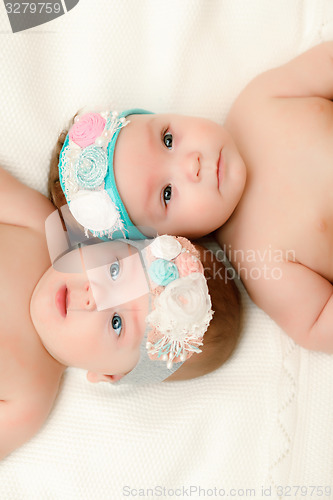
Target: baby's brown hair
[222, 335]
[55, 192]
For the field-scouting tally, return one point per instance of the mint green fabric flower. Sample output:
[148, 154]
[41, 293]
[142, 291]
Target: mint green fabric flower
[91, 167]
[163, 272]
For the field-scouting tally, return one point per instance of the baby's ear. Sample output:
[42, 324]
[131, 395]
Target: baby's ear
[100, 377]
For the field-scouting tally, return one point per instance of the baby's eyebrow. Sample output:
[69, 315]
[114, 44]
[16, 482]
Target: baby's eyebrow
[150, 188]
[135, 316]
[152, 205]
[151, 132]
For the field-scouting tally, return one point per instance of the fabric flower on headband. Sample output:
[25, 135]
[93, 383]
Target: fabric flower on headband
[83, 168]
[182, 306]
[87, 129]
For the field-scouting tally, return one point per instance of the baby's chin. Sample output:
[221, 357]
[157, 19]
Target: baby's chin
[41, 283]
[194, 233]
[41, 299]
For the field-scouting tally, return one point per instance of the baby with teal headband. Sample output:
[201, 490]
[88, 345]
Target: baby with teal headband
[135, 173]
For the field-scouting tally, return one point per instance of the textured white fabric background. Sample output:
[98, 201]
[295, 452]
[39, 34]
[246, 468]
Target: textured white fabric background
[266, 417]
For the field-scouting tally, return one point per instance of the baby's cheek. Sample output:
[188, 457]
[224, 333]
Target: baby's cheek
[209, 130]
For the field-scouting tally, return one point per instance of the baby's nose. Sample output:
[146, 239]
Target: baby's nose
[192, 167]
[89, 301]
[81, 298]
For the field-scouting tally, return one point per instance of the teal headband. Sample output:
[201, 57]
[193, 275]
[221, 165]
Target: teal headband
[86, 175]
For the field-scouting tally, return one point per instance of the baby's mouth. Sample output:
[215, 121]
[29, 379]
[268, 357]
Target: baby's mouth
[61, 300]
[219, 171]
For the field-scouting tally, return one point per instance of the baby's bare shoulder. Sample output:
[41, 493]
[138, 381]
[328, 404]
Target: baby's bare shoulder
[27, 394]
[21, 416]
[309, 74]
[26, 370]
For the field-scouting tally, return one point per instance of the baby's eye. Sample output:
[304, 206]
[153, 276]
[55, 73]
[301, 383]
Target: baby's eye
[114, 269]
[168, 139]
[167, 193]
[116, 323]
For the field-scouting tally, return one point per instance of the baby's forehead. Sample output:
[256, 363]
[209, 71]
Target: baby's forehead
[106, 252]
[83, 258]
[113, 271]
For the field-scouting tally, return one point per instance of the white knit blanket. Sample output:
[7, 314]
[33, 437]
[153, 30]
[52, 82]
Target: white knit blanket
[263, 420]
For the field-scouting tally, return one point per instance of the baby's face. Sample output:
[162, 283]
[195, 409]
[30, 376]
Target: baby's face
[64, 312]
[179, 175]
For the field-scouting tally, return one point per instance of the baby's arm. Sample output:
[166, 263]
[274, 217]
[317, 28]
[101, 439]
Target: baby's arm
[21, 205]
[308, 75]
[300, 301]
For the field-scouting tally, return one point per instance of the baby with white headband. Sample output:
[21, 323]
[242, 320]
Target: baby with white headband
[125, 311]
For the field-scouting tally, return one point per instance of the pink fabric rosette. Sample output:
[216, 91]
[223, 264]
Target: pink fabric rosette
[85, 131]
[188, 264]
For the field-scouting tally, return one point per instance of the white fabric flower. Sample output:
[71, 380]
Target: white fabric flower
[183, 308]
[165, 247]
[94, 210]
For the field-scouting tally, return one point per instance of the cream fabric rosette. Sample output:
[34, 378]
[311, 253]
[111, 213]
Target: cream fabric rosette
[165, 247]
[183, 309]
[182, 306]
